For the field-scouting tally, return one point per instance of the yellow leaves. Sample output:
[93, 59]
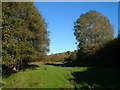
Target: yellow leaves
[7, 7]
[6, 36]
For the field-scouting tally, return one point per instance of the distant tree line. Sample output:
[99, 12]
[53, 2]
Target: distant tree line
[65, 57]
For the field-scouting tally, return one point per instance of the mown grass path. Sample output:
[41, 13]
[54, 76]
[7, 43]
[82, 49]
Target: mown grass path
[57, 76]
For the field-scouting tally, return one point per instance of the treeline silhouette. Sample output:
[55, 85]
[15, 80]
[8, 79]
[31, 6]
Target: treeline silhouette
[108, 55]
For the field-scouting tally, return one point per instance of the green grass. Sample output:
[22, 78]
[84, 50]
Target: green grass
[48, 76]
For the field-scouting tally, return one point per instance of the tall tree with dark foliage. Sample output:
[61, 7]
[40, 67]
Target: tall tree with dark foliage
[92, 31]
[24, 34]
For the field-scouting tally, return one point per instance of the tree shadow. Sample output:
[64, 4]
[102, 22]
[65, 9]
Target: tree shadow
[55, 64]
[6, 72]
[107, 55]
[97, 77]
[31, 66]
[61, 64]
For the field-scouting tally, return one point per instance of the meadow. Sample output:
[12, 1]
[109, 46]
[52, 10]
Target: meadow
[59, 76]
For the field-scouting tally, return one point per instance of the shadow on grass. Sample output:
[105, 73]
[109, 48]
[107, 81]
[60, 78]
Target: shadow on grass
[97, 77]
[55, 64]
[60, 64]
[7, 72]
[31, 66]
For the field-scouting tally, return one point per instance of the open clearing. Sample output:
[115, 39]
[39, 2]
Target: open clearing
[58, 76]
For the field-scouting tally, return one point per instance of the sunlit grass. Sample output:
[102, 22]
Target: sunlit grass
[49, 76]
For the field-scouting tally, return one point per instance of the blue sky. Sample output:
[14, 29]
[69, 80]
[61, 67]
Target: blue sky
[60, 17]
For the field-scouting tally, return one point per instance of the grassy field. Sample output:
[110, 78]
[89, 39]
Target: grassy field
[57, 76]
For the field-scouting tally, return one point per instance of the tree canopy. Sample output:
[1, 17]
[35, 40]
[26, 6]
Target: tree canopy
[24, 34]
[92, 29]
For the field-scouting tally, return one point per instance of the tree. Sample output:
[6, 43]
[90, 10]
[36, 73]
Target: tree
[24, 34]
[0, 40]
[71, 57]
[92, 30]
